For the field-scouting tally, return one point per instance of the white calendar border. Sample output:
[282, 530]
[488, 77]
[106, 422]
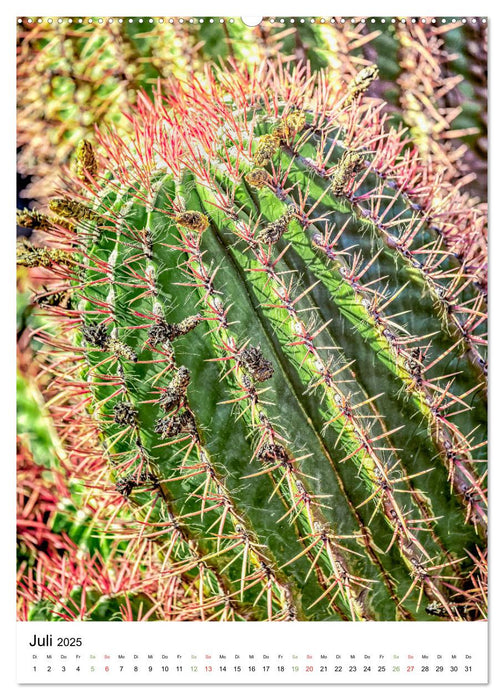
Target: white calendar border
[7, 193]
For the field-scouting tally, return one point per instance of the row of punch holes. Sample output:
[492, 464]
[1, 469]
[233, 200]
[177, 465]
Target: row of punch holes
[253, 21]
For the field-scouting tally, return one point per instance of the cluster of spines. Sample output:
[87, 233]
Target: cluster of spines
[70, 582]
[30, 255]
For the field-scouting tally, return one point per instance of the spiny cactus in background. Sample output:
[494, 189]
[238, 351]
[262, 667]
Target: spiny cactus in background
[75, 75]
[469, 57]
[427, 89]
[433, 78]
[282, 356]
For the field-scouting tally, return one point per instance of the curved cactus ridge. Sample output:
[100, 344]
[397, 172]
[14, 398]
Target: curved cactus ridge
[285, 360]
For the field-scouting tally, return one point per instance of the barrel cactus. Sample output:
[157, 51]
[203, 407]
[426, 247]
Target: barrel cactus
[274, 319]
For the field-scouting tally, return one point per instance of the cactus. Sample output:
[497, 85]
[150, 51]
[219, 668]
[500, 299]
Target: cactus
[276, 337]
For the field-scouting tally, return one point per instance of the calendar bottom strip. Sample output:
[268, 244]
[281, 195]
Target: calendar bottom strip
[298, 652]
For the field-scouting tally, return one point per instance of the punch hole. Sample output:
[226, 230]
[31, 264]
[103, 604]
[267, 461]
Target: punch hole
[251, 21]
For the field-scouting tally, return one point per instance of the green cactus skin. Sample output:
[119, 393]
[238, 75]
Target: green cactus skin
[289, 380]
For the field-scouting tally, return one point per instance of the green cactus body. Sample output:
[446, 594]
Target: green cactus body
[287, 370]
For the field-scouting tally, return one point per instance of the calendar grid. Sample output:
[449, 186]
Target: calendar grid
[261, 653]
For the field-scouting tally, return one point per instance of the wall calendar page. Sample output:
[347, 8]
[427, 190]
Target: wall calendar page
[252, 350]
